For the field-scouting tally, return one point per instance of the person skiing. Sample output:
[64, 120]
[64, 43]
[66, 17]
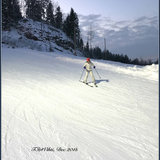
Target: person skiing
[88, 67]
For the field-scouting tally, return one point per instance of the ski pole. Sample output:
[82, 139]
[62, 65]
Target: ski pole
[97, 73]
[81, 75]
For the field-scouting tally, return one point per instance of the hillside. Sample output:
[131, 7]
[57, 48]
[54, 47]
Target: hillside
[44, 105]
[38, 36]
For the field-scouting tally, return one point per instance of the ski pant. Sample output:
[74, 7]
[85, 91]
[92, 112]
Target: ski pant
[86, 76]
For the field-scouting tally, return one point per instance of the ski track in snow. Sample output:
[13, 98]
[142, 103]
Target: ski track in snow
[45, 105]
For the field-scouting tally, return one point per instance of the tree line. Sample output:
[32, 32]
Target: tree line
[97, 53]
[42, 11]
[45, 11]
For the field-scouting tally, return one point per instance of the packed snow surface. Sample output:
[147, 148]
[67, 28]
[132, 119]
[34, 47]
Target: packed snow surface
[45, 106]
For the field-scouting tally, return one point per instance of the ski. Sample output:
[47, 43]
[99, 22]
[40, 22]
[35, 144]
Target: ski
[86, 84]
[94, 84]
[89, 84]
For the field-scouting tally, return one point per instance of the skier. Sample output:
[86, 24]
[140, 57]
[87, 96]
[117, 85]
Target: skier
[88, 66]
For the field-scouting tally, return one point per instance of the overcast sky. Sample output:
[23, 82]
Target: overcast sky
[129, 26]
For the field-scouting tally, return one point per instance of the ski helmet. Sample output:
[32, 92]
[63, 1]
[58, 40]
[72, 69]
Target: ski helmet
[88, 59]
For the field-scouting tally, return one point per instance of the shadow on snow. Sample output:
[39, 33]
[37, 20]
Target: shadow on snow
[101, 80]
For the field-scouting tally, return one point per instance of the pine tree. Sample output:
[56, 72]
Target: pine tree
[87, 46]
[74, 25]
[16, 11]
[38, 11]
[107, 55]
[5, 14]
[50, 17]
[10, 13]
[156, 62]
[35, 9]
[71, 26]
[66, 25]
[58, 18]
[126, 59]
[97, 53]
[81, 44]
[135, 61]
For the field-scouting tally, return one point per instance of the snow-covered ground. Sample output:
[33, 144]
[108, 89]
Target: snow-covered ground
[45, 105]
[42, 37]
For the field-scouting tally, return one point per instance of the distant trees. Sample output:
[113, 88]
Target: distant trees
[97, 53]
[143, 62]
[46, 11]
[81, 44]
[156, 62]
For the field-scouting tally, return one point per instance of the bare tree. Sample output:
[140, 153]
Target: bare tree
[104, 44]
[90, 36]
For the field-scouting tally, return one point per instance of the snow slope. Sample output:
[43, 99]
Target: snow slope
[45, 105]
[38, 36]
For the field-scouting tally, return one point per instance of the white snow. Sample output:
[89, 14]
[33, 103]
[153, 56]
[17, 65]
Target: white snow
[48, 38]
[45, 105]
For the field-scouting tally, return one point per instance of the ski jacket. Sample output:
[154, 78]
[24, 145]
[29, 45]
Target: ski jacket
[88, 66]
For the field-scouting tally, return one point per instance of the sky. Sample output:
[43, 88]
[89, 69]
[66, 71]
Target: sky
[129, 26]
[116, 9]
